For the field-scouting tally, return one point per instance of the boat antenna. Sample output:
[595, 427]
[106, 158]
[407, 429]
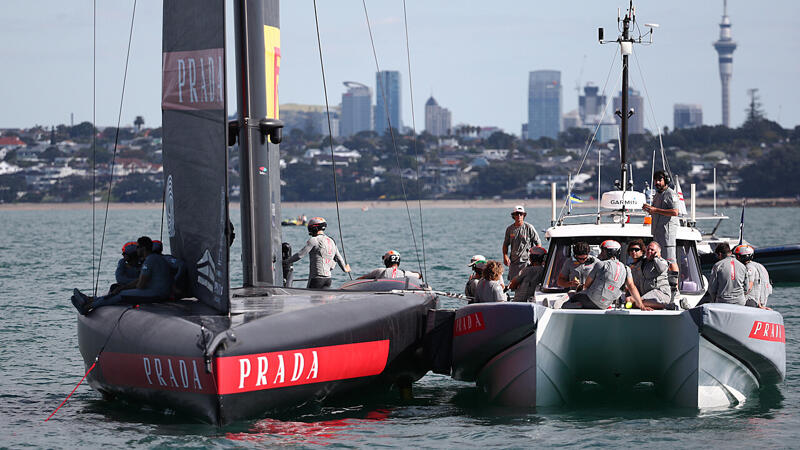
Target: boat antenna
[330, 138]
[625, 42]
[414, 143]
[382, 90]
[741, 223]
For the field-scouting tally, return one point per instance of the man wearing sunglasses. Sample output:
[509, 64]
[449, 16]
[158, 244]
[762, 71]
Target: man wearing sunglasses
[575, 270]
[520, 237]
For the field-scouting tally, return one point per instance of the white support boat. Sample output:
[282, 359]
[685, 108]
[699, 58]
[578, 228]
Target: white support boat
[534, 354]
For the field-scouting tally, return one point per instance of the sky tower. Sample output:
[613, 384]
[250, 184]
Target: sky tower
[725, 47]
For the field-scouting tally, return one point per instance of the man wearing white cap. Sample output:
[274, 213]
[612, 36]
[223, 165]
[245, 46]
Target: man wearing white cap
[477, 262]
[520, 237]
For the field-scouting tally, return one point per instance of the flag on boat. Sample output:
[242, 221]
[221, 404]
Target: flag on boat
[681, 201]
[575, 199]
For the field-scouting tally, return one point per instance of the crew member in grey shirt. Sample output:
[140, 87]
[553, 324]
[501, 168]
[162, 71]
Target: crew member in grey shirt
[574, 271]
[490, 288]
[758, 287]
[478, 263]
[604, 285]
[520, 237]
[391, 260]
[664, 212]
[524, 284]
[652, 280]
[727, 280]
[323, 255]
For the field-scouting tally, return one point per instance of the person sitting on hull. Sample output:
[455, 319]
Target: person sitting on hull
[651, 281]
[758, 286]
[604, 284]
[575, 270]
[154, 283]
[323, 255]
[478, 263]
[391, 261]
[490, 288]
[519, 238]
[728, 278]
[128, 266]
[524, 284]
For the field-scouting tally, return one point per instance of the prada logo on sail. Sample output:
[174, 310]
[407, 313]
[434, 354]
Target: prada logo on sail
[303, 366]
[468, 324]
[206, 270]
[766, 331]
[193, 80]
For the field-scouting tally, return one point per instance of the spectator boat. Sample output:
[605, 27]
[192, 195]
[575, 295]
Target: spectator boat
[225, 354]
[534, 354]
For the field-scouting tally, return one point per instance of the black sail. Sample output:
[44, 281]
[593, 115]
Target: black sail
[195, 144]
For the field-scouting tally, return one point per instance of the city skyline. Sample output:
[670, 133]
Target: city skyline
[480, 77]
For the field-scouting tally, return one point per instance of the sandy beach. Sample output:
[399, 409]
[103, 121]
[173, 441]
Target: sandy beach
[382, 204]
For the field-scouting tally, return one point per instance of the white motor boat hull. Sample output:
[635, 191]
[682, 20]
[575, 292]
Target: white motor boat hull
[711, 356]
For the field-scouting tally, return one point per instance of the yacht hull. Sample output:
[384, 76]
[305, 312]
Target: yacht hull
[279, 349]
[711, 356]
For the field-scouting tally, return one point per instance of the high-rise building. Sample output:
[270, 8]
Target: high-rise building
[311, 119]
[687, 116]
[356, 109]
[544, 104]
[590, 104]
[387, 83]
[725, 47]
[635, 102]
[571, 120]
[437, 119]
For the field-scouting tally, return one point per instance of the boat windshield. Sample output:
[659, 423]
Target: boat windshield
[688, 263]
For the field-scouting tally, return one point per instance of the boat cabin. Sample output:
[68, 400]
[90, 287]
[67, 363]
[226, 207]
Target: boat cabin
[563, 236]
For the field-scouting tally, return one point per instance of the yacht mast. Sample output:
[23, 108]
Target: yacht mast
[626, 48]
[259, 131]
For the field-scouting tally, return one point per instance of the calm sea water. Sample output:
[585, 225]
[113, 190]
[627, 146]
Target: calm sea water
[44, 254]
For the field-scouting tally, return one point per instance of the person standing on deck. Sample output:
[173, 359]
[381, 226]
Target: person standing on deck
[664, 227]
[758, 286]
[520, 237]
[727, 280]
[324, 255]
[604, 285]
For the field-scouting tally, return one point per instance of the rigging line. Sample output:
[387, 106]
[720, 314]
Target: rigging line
[590, 141]
[114, 155]
[391, 133]
[416, 154]
[94, 122]
[654, 118]
[330, 137]
[96, 359]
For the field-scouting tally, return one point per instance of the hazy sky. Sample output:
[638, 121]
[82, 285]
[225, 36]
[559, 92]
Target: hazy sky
[474, 57]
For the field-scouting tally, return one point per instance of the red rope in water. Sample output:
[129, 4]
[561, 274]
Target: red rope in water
[73, 391]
